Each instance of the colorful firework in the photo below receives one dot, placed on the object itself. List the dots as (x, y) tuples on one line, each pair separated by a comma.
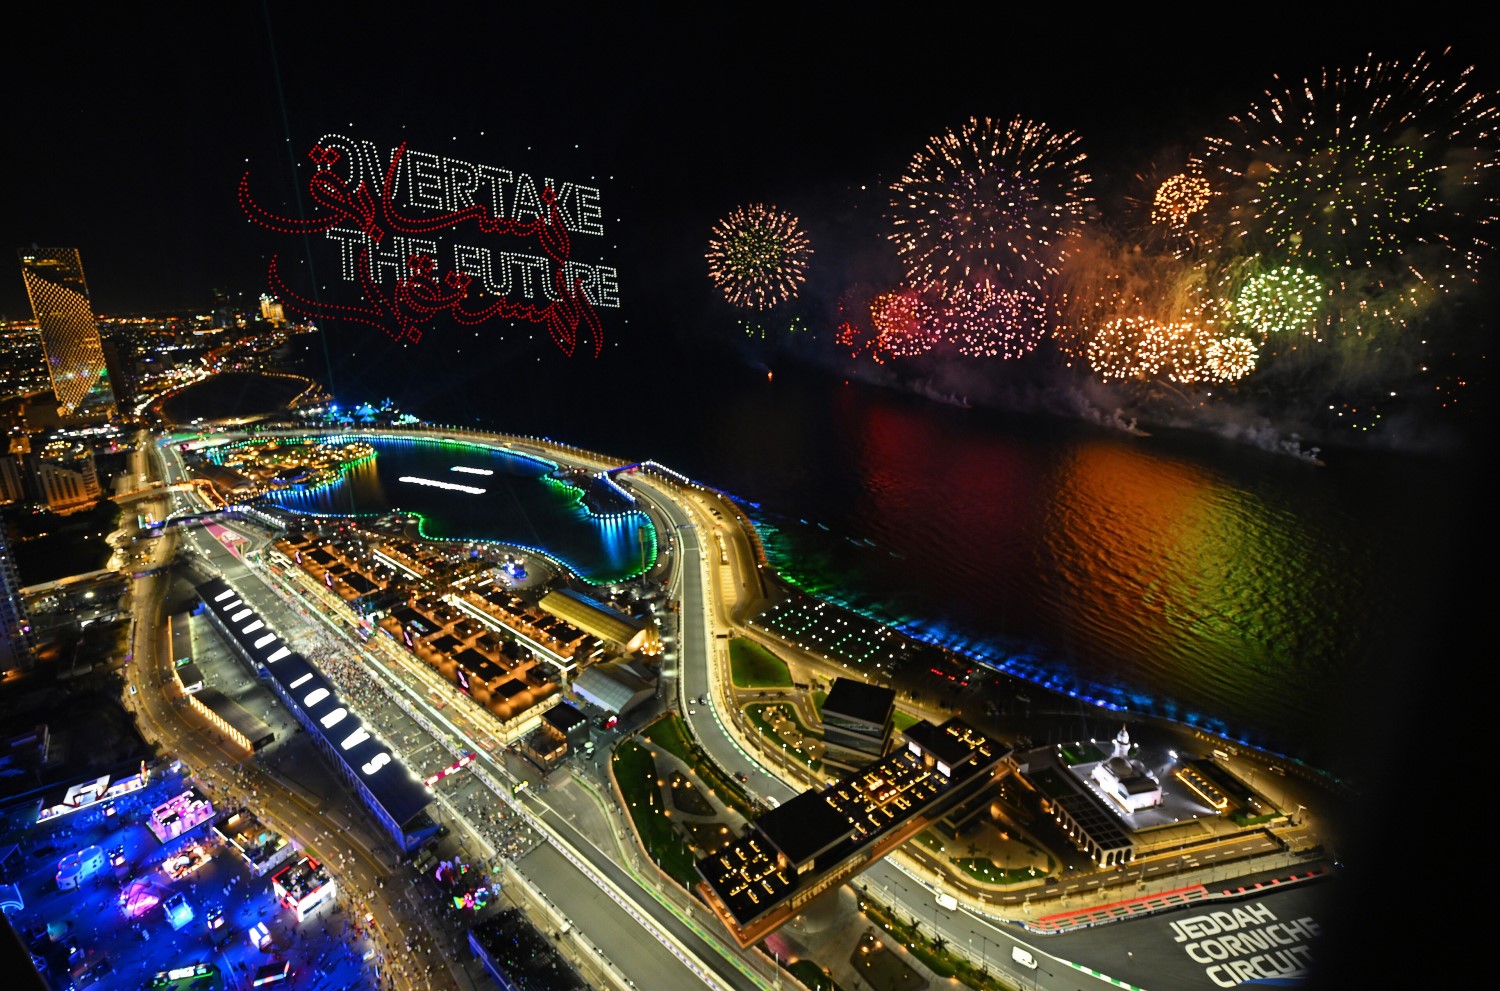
[(758, 256), (904, 324), (854, 334), (1283, 300), (1184, 351), (1117, 350), (989, 323), (1231, 358), (1106, 278), (990, 204), (850, 338), (1386, 167), (1178, 200), (759, 329)]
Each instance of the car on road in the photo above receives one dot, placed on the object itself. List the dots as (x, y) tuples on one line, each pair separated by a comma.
[(742, 775)]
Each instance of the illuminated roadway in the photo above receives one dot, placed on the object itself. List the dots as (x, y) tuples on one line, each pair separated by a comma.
[(587, 884), (215, 765), (711, 590), (703, 662)]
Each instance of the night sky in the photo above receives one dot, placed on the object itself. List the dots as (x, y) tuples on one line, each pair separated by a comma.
[(129, 130)]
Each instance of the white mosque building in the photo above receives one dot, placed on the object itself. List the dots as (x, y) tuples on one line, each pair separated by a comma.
[(1126, 780)]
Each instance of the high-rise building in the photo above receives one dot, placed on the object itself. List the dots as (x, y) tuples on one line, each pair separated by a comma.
[(124, 375), (272, 311), (70, 335), (67, 479), (223, 316), (12, 480), (15, 628)]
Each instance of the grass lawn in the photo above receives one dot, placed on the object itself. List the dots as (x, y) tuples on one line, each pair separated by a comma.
[(757, 713), (812, 976), (1085, 753), (670, 733), (986, 870), (904, 720), (935, 843), (933, 953), (754, 666), (686, 797), (635, 771)]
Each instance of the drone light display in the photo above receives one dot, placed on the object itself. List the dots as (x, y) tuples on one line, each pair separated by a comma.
[(395, 226)]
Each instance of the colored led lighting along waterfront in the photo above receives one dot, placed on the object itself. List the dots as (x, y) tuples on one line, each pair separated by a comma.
[(627, 539)]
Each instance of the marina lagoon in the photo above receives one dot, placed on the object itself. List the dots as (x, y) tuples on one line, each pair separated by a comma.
[(468, 492)]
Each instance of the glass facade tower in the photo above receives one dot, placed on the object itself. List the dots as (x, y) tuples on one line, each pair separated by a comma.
[(70, 335)]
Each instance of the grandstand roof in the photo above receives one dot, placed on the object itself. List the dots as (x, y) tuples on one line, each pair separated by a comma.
[(597, 619), (369, 760)]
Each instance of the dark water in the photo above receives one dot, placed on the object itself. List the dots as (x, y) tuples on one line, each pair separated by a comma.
[(1255, 594), (518, 504)]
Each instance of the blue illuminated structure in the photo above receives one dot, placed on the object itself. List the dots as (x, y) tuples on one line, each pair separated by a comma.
[(179, 912)]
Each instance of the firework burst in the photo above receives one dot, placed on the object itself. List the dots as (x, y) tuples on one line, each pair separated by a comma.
[(758, 256), (1178, 200), (993, 323), (1231, 358), (1183, 351), (989, 204), (1386, 167), (905, 326), (1282, 300)]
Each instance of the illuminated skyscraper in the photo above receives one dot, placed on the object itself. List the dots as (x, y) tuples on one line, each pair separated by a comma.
[(272, 311), (70, 336)]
